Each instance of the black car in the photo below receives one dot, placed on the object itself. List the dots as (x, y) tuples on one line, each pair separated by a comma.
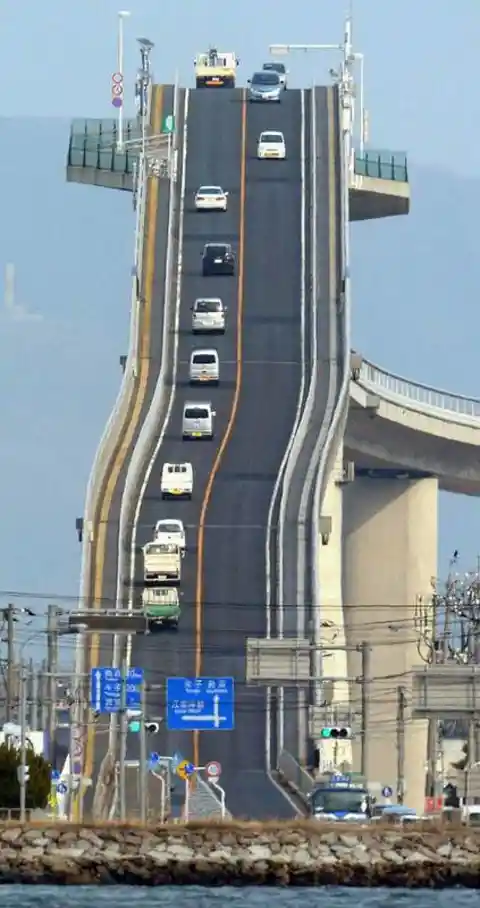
[(218, 258)]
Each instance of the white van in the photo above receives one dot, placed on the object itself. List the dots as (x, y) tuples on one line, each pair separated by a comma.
[(208, 316), (204, 367), (177, 480), (198, 420), (271, 144)]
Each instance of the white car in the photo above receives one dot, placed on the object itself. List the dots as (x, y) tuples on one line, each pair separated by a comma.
[(171, 531), (208, 316), (273, 66), (271, 145), (211, 198), (177, 480)]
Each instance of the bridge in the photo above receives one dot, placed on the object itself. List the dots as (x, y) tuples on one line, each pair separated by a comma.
[(314, 513)]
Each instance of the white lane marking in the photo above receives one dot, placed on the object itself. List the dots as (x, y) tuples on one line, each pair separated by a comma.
[(168, 414), (280, 477)]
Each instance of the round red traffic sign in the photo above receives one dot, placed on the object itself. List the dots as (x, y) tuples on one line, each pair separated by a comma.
[(117, 90), (117, 78), (213, 770)]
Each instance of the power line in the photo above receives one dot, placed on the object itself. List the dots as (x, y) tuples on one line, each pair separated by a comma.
[(112, 600)]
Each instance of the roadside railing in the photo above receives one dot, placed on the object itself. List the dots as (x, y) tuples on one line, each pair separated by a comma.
[(295, 775), (426, 396)]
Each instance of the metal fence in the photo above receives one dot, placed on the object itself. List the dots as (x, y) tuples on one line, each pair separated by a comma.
[(389, 384), (296, 776), (93, 144), (382, 165)]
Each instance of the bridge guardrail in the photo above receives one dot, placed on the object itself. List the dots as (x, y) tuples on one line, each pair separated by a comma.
[(382, 165), (203, 802), (116, 419), (425, 395), (296, 776)]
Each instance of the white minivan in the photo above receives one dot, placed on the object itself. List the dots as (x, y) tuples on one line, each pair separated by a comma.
[(197, 420), (204, 367), (208, 316)]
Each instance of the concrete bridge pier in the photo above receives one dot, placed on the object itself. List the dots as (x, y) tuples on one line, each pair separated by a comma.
[(330, 620), (389, 560)]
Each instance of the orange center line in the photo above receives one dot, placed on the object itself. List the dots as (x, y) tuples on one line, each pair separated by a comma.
[(231, 422)]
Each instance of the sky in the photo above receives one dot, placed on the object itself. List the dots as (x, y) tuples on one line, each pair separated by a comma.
[(415, 279)]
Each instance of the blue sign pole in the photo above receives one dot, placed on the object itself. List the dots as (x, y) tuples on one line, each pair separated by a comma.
[(200, 704)]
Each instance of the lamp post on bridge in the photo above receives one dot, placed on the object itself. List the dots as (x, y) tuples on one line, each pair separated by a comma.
[(344, 77), (118, 80)]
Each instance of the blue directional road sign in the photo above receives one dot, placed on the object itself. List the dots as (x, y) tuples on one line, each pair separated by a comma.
[(200, 704), (54, 775), (62, 788), (387, 792), (106, 689)]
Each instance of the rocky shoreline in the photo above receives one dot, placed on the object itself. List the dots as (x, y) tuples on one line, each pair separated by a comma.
[(239, 854)]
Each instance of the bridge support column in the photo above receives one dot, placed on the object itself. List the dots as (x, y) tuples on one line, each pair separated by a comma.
[(330, 622), (389, 559)]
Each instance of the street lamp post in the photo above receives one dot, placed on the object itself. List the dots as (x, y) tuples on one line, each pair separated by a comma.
[(345, 76), (122, 15)]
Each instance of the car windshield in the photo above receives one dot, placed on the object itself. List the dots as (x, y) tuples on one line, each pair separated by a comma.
[(210, 190), (271, 137), (168, 528), (265, 78), (196, 413), (348, 800), (208, 306), (203, 359), (216, 251), (275, 67)]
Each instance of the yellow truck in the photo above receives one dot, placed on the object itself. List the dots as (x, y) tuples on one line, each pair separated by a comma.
[(216, 69)]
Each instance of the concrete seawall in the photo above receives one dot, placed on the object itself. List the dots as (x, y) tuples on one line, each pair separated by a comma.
[(295, 854)]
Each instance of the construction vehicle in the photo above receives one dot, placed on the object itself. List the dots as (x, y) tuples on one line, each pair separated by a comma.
[(162, 563), (161, 607), (216, 69)]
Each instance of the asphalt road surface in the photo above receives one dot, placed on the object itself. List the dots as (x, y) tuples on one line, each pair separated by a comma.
[(223, 583)]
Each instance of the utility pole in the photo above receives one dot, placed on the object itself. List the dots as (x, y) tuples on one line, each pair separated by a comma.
[(43, 694), (143, 755), (365, 706), (401, 703), (52, 669), (123, 744), (432, 748), (22, 774), (10, 659)]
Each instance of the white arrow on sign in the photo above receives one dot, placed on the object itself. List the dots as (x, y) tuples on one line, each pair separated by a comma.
[(216, 718), (213, 770)]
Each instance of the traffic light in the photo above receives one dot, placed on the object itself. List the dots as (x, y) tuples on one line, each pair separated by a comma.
[(336, 732)]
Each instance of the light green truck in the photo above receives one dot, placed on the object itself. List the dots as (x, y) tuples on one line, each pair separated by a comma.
[(162, 607)]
